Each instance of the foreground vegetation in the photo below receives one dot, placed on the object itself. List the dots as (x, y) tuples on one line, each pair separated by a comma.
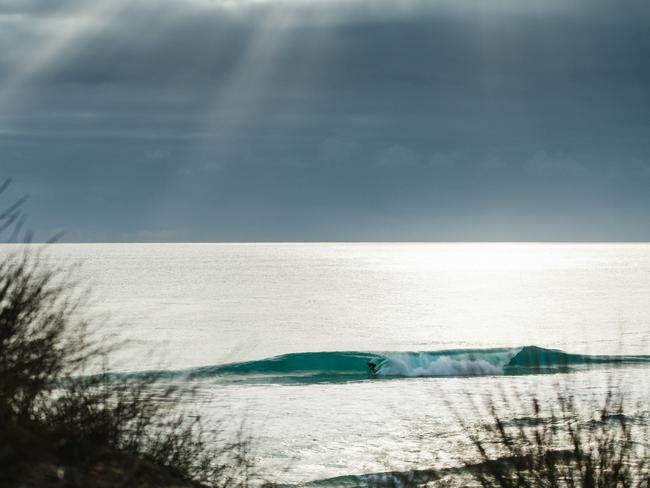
[(61, 428), (563, 445)]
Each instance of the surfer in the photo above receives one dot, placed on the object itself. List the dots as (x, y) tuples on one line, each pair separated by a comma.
[(372, 366)]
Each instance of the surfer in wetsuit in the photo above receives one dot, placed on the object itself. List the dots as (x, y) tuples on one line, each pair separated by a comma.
[(372, 366)]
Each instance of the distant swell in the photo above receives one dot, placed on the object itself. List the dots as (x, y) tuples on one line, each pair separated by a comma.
[(309, 367)]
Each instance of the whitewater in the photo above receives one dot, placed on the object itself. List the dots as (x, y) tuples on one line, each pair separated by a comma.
[(281, 335)]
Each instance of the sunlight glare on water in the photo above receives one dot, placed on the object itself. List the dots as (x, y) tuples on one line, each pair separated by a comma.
[(211, 303)]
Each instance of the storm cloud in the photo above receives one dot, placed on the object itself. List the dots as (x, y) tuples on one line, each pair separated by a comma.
[(362, 120)]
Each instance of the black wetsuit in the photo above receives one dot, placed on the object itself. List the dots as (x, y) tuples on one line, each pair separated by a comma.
[(373, 368)]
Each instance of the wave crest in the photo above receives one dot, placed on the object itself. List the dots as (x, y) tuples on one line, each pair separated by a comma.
[(337, 366)]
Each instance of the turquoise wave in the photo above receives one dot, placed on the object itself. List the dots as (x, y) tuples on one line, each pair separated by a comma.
[(335, 366)]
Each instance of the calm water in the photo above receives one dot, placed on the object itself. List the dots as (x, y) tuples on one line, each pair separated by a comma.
[(194, 305)]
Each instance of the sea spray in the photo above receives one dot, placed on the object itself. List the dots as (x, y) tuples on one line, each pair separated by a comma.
[(427, 364)]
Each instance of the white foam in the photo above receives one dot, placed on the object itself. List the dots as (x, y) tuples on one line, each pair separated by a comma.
[(414, 365)]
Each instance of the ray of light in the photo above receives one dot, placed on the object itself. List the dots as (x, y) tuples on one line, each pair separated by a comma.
[(57, 37), (239, 96), (246, 82)]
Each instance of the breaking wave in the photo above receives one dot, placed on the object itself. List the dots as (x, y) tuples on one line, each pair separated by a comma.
[(310, 367)]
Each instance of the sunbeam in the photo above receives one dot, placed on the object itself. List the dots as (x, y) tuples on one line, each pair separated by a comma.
[(57, 36), (238, 97)]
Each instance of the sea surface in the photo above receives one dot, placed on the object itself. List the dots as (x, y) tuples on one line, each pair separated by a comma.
[(282, 334)]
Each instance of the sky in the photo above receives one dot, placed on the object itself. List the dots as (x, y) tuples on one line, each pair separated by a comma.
[(328, 120)]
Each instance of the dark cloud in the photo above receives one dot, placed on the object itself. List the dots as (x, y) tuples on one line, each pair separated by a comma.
[(357, 120)]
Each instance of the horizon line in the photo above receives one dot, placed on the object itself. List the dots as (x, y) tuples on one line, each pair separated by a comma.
[(320, 242)]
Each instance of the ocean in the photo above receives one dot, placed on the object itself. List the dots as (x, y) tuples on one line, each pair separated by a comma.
[(280, 337)]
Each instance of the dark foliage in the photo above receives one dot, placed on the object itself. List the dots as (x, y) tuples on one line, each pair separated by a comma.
[(563, 447), (61, 428)]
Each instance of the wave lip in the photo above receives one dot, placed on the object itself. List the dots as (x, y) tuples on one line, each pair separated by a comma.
[(351, 366), (294, 366)]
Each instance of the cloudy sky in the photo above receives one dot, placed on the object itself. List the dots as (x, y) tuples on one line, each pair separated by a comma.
[(310, 120)]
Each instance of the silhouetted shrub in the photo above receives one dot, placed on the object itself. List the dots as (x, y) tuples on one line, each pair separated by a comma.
[(62, 427), (563, 446)]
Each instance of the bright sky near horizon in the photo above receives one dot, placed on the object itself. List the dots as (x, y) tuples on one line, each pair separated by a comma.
[(359, 120)]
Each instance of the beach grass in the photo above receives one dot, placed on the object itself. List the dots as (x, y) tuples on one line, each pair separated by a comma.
[(60, 426)]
